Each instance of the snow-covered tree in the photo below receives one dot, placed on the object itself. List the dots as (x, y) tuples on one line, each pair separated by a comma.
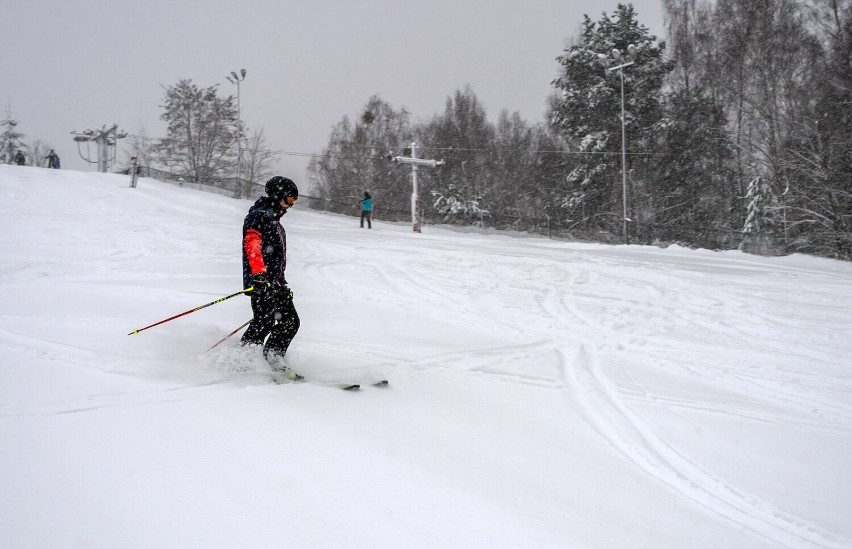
[(761, 210), (143, 148), (513, 160), (587, 110), (690, 196), (463, 138), (10, 139), (756, 196), (818, 152), (453, 209), (38, 151)]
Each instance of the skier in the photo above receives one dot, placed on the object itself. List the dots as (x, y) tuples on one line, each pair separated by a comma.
[(275, 319), (20, 159), (53, 160), (367, 210)]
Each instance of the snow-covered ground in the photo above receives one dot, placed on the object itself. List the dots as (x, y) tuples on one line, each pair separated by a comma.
[(543, 393)]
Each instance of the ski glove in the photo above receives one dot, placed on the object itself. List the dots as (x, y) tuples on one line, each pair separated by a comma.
[(260, 284)]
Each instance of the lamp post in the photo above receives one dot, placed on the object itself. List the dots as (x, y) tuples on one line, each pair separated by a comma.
[(617, 56), (235, 79)]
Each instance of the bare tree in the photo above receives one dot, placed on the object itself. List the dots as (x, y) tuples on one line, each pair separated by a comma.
[(202, 129), (143, 148), (38, 152), (257, 158), (355, 160), (818, 152)]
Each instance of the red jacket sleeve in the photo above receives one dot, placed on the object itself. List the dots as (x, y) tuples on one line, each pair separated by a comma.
[(253, 245)]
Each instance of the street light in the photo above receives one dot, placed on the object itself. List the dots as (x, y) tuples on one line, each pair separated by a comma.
[(234, 79), (619, 57)]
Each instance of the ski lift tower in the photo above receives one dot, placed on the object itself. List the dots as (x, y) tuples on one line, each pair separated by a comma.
[(415, 164), (104, 138)]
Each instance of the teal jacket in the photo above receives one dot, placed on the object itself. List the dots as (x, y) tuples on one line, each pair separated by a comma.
[(367, 204)]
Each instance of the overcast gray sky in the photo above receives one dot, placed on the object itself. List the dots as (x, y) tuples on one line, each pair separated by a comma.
[(76, 65)]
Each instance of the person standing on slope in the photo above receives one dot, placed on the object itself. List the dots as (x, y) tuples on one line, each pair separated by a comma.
[(275, 321), (367, 210), (52, 160)]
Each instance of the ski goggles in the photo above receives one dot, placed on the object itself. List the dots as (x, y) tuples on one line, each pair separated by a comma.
[(290, 200)]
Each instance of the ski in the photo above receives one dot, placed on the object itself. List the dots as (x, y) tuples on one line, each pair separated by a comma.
[(286, 376), (357, 386), (290, 376)]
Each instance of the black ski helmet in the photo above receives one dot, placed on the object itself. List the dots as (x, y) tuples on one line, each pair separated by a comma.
[(279, 188)]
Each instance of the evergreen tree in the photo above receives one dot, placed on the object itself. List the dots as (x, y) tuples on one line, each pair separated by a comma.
[(10, 139), (587, 111), (512, 159), (692, 192), (548, 183)]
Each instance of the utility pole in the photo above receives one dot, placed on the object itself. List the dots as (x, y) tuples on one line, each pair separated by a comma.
[(104, 138), (415, 198)]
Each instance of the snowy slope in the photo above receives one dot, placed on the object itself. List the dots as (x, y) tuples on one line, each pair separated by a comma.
[(544, 394)]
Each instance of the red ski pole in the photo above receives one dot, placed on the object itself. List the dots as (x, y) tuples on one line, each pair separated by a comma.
[(240, 327), (220, 300)]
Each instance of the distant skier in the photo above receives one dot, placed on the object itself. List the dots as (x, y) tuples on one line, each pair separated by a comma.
[(275, 318), (367, 210), (52, 160), (20, 159)]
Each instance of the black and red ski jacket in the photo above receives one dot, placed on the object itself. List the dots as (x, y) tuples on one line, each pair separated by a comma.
[(264, 242)]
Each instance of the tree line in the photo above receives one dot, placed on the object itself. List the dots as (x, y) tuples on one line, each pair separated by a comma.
[(203, 130), (738, 135)]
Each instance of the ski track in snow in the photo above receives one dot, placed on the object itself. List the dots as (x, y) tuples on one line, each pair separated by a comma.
[(606, 410), (606, 406)]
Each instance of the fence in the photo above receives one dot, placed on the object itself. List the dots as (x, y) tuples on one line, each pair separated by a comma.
[(227, 186)]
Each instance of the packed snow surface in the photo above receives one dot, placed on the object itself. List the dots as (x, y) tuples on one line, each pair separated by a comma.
[(542, 393)]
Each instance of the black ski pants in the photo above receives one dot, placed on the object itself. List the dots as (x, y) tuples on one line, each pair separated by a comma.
[(275, 316)]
